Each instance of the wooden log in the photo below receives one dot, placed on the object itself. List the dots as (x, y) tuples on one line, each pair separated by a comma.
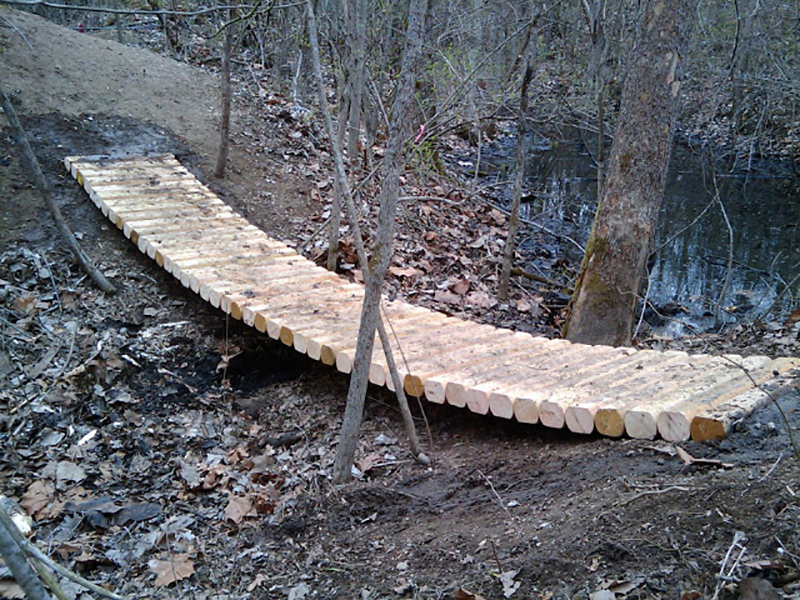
[(609, 411), (214, 288), (525, 409), (172, 259), (325, 347), (178, 199), (415, 346), (440, 353), (175, 262), (550, 369), (178, 228), (468, 368), (411, 325), (128, 215), (276, 320), (257, 270), (136, 175), (74, 163), (167, 216), (320, 292), (160, 244), (264, 296), (644, 405), (261, 299), (116, 208), (532, 365), (341, 351), (271, 320), (307, 333), (715, 423), (678, 409)]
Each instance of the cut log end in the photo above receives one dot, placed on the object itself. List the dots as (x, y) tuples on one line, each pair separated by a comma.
[(526, 411), (704, 429), (477, 401), (673, 427), (286, 335), (640, 424), (551, 414), (609, 422), (413, 386), (434, 391), (501, 406), (579, 420)]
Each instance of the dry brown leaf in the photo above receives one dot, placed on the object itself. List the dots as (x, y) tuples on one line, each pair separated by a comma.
[(169, 571), (38, 496), (480, 300), (479, 243), (447, 297), (462, 594), (239, 507), (403, 272), (523, 306), (461, 287)]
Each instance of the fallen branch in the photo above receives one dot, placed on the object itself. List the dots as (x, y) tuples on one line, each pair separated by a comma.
[(15, 560), (533, 277), (31, 551), (35, 171)]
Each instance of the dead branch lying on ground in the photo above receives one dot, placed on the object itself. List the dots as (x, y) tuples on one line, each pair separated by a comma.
[(43, 188)]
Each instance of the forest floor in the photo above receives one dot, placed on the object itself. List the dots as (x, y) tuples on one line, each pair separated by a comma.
[(169, 453)]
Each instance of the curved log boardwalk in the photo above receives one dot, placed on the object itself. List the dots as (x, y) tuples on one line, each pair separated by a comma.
[(178, 222)]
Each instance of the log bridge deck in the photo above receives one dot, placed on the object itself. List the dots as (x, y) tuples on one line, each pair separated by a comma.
[(190, 232)]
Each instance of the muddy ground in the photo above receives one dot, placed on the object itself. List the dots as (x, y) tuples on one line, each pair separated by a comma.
[(167, 452)]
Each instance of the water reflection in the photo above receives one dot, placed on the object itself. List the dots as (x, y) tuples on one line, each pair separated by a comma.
[(690, 265)]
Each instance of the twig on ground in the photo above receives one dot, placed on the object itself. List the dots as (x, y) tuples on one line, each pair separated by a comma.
[(722, 578), (672, 488)]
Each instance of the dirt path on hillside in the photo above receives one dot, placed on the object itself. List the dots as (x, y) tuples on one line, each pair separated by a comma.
[(169, 453)]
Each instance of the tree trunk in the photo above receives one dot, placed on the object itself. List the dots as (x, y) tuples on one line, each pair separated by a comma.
[(519, 174), (358, 30), (225, 121), (382, 252), (604, 303)]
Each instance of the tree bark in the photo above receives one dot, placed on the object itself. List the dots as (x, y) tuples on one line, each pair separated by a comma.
[(225, 120), (382, 251), (604, 303), (341, 179), (358, 28), (15, 560), (513, 221)]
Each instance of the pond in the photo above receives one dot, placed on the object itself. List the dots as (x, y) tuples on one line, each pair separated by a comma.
[(693, 248)]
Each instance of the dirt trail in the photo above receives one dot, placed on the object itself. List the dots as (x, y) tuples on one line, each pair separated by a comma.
[(191, 417)]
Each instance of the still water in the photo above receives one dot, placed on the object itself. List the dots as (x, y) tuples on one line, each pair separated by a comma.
[(688, 271)]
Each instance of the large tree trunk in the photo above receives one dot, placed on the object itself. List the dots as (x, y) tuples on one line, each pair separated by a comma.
[(604, 303)]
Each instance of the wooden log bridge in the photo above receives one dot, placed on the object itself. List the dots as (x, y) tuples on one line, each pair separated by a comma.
[(178, 222)]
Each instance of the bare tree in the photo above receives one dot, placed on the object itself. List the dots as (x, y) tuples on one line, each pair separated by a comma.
[(513, 222), (606, 293), (384, 239), (225, 117)]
